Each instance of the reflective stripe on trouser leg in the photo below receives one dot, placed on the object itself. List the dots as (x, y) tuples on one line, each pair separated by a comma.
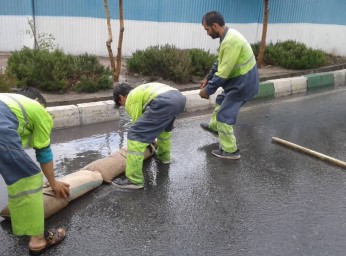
[(228, 142), (134, 161), (213, 121), (25, 202), (163, 152)]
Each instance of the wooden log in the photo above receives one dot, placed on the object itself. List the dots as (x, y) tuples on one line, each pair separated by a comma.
[(310, 152)]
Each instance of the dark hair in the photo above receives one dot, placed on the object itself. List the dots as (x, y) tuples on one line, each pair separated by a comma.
[(213, 17), (122, 89), (33, 94)]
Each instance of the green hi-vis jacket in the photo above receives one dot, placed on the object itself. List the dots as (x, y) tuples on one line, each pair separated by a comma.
[(141, 96), (35, 123), (235, 58)]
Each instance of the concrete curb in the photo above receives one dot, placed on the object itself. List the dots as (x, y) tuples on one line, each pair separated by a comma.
[(102, 111)]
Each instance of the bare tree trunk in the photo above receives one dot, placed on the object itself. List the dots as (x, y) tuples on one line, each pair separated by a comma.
[(109, 42), (33, 31), (120, 40), (264, 34)]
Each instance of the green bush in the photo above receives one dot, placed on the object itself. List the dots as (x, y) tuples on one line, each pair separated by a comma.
[(6, 82), (164, 61), (57, 72), (255, 49), (292, 55), (201, 61), (87, 84), (171, 63), (145, 62), (90, 74), (38, 68), (178, 67)]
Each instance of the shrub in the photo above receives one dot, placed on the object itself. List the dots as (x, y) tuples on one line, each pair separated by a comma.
[(57, 72), (87, 84), (178, 66), (293, 55), (171, 63), (201, 62), (164, 61), (6, 82), (42, 69), (145, 62), (255, 49), (90, 75)]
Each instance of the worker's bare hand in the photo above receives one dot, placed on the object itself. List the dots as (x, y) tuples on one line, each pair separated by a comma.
[(61, 189), (203, 94), (204, 83)]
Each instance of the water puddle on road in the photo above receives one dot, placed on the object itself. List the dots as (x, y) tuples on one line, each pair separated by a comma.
[(74, 148)]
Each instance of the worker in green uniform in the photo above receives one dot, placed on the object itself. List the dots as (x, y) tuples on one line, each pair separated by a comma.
[(25, 121), (235, 71), (153, 107)]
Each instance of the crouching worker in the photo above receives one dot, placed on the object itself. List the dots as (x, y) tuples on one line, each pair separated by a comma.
[(23, 118), (153, 108)]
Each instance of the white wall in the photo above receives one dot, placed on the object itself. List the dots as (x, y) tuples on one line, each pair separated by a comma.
[(78, 35)]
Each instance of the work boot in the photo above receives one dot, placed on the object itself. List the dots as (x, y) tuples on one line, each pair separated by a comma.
[(205, 126), (125, 183), (161, 159), (222, 154)]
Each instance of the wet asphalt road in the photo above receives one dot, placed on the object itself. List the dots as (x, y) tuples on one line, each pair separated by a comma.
[(274, 201)]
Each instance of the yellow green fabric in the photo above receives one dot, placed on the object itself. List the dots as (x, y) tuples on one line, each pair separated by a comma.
[(40, 123), (163, 152), (213, 121), (235, 56), (134, 161), (26, 207), (141, 96), (228, 142)]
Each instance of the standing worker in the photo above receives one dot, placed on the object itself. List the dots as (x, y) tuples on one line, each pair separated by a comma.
[(23, 118), (236, 72), (153, 108)]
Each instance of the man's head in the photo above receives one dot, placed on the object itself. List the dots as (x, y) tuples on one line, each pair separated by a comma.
[(33, 94), (213, 22), (120, 94)]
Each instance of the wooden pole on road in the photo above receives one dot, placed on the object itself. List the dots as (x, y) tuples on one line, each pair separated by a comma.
[(310, 152)]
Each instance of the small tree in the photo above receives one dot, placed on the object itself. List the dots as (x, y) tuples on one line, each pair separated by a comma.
[(42, 41), (264, 34), (115, 71), (120, 40)]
